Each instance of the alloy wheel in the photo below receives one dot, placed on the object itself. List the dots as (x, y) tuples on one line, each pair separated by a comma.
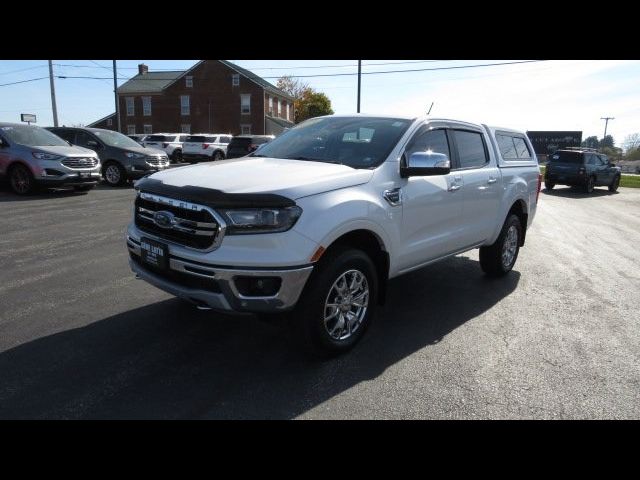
[(346, 304)]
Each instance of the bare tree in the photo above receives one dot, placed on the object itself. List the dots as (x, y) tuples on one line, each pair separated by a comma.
[(293, 86), (632, 141)]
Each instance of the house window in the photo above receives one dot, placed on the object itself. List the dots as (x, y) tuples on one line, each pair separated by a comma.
[(146, 106), (245, 103), (189, 81), (109, 122), (288, 116), (184, 105), (235, 79), (245, 129), (130, 110), (147, 130), (279, 108), (131, 129), (271, 106), (185, 128)]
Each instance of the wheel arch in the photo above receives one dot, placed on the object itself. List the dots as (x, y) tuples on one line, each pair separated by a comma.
[(519, 208)]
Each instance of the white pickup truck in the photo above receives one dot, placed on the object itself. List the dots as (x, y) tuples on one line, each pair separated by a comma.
[(314, 223)]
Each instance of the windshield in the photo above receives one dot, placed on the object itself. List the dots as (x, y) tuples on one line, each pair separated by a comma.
[(566, 157), (359, 142), (115, 139), (32, 136)]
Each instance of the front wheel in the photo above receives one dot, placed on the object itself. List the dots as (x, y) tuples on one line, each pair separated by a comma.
[(498, 259), (615, 184), (338, 303), (177, 156), (114, 174), (21, 180), (590, 185)]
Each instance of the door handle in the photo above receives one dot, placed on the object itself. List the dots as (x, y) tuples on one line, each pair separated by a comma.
[(454, 187), (492, 180)]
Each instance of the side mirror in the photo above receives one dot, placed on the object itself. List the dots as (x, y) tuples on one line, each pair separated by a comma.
[(423, 164)]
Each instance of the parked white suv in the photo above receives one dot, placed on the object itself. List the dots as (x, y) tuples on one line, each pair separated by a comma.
[(171, 143), (205, 146), (315, 222)]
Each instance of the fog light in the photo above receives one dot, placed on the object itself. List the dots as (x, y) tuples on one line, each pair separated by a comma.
[(258, 286)]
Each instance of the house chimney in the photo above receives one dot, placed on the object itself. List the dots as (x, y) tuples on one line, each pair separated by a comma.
[(142, 69)]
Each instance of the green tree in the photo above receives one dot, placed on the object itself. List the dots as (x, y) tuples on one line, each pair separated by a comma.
[(591, 142), (607, 142), (633, 154), (308, 103)]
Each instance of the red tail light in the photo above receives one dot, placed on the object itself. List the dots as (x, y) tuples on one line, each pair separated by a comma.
[(165, 145), (539, 186), (205, 146)]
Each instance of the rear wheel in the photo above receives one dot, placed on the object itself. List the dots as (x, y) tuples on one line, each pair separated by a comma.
[(549, 185), (114, 174), (498, 259), (338, 303), (218, 156), (615, 184), (590, 185), (177, 156), (21, 180)]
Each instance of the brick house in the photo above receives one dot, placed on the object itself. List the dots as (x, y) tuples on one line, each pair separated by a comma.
[(213, 96)]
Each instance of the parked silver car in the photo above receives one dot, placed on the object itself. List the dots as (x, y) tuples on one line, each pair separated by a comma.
[(31, 156)]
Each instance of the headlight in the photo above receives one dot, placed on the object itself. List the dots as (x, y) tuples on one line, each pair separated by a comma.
[(261, 220), (134, 155), (45, 156)]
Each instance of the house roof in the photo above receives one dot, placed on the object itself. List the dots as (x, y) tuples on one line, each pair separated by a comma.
[(150, 82), (280, 121), (102, 119)]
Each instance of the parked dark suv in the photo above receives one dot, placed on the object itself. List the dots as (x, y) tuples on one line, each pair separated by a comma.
[(242, 145), (581, 167), (122, 158)]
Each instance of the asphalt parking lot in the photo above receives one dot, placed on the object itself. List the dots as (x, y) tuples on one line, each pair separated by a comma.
[(559, 337)]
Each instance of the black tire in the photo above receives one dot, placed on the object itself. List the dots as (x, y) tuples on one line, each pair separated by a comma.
[(549, 185), (218, 156), (590, 184), (491, 257), (110, 176), (177, 156), (83, 188), (21, 180), (308, 317), (615, 184)]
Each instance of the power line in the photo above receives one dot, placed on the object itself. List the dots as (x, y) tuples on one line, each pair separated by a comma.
[(24, 69), (348, 65), (23, 81)]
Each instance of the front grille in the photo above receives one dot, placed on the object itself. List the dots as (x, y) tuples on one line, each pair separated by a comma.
[(80, 162), (183, 279), (156, 160), (195, 228)]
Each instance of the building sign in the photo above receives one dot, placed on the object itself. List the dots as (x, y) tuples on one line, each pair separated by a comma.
[(28, 117), (545, 143)]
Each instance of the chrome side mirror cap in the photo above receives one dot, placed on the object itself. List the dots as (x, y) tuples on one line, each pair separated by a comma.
[(422, 164)]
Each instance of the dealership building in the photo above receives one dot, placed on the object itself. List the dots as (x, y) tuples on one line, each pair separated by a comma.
[(546, 142)]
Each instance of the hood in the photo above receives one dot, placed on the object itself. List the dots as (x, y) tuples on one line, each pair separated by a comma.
[(148, 151), (66, 151), (289, 178)]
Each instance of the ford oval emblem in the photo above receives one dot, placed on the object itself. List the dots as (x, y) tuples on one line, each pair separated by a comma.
[(164, 219)]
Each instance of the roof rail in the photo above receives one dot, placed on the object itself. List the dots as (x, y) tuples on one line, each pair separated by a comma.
[(580, 148)]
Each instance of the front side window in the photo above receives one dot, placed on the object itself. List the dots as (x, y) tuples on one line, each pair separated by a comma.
[(603, 160), (131, 129), (130, 108), (590, 159), (184, 105), (235, 79), (189, 81), (83, 138), (471, 151), (354, 141), (146, 106), (434, 141), (147, 129), (245, 103)]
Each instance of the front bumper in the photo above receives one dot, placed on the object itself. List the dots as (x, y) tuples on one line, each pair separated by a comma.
[(215, 287), (565, 178), (70, 179), (139, 171), (196, 156)]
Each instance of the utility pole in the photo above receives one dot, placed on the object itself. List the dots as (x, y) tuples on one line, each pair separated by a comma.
[(115, 92), (606, 123), (53, 95), (359, 75)]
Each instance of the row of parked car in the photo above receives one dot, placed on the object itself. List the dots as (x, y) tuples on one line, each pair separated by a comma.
[(31, 156), (198, 147)]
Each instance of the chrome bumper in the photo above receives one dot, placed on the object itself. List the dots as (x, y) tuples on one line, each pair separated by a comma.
[(230, 299)]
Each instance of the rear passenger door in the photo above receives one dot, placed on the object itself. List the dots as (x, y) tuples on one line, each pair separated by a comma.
[(481, 184)]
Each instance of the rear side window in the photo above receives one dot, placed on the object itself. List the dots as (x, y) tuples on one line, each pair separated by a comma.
[(225, 139), (211, 139), (471, 151), (513, 148)]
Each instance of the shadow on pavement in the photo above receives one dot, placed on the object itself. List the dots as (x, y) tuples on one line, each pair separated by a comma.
[(578, 192), (167, 360)]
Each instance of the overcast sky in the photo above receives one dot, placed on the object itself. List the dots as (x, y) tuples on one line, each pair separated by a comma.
[(550, 95)]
